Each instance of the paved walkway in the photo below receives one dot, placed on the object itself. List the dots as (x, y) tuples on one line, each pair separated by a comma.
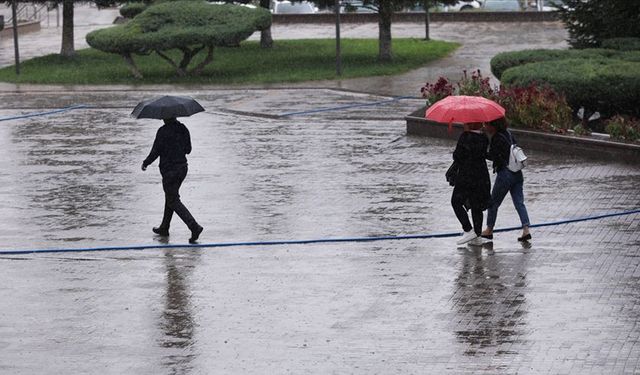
[(568, 304)]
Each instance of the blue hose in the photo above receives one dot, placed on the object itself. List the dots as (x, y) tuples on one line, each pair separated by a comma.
[(35, 114), (308, 241)]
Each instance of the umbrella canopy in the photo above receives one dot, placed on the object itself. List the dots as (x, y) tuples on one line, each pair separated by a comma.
[(164, 107), (464, 109)]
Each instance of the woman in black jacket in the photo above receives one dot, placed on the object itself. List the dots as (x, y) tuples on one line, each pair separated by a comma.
[(472, 184), (506, 180)]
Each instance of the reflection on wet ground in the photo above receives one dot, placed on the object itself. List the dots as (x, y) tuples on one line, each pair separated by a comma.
[(564, 305)]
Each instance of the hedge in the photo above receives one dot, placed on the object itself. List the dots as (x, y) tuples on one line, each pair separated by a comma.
[(506, 60), (610, 86), (130, 10), (622, 44), (189, 26)]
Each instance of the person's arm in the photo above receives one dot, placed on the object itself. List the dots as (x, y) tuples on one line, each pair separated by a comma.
[(461, 153), (187, 146), (499, 150), (154, 154)]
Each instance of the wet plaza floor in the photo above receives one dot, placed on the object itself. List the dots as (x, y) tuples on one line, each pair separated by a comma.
[(569, 303)]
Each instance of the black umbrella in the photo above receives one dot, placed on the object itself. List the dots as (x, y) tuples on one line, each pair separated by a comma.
[(167, 106)]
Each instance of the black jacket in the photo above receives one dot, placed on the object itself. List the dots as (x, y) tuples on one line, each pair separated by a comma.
[(499, 149), (473, 176), (172, 144)]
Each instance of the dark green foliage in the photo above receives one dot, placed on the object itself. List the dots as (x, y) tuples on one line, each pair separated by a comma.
[(189, 26), (622, 44), (130, 10), (610, 86), (591, 22), (506, 60)]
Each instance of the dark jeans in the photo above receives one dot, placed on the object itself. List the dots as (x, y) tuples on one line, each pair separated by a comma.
[(507, 182), (458, 200), (171, 181)]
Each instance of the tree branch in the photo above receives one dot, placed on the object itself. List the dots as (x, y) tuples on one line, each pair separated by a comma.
[(168, 59), (207, 60), (132, 65)]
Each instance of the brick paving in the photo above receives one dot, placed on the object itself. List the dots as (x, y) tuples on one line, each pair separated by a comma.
[(567, 304)]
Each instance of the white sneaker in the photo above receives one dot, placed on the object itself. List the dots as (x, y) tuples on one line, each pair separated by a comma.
[(466, 237), (478, 241)]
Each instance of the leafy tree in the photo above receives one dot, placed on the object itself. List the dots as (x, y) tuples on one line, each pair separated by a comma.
[(591, 22), (187, 26)]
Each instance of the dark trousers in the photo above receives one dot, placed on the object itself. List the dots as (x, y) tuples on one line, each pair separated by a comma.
[(171, 181), (458, 200)]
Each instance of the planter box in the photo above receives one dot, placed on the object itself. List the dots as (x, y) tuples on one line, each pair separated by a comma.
[(23, 27), (589, 147)]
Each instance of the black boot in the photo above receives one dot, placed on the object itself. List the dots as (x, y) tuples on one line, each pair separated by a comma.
[(195, 234), (161, 231)]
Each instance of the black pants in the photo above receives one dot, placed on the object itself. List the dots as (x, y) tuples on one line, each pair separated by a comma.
[(459, 198), (171, 181)]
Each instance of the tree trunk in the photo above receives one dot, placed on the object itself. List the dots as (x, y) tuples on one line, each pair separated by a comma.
[(67, 49), (132, 65), (266, 41), (385, 12), (427, 21), (207, 60)]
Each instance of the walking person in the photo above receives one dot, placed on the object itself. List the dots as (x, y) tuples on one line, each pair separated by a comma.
[(507, 181), (472, 184), (171, 145)]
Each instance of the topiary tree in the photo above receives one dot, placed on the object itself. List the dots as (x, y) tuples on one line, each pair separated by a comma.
[(187, 26), (591, 22)]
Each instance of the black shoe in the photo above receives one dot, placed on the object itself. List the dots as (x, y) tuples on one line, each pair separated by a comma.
[(525, 238), (487, 236), (195, 234), (161, 231)]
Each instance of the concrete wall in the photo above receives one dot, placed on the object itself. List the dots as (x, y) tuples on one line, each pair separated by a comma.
[(419, 17), (588, 147)]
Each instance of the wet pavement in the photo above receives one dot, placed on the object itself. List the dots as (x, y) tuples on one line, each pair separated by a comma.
[(568, 304)]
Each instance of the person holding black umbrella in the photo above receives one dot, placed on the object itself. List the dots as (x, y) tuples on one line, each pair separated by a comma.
[(171, 145)]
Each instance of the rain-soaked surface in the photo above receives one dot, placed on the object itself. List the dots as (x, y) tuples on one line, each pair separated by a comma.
[(566, 304)]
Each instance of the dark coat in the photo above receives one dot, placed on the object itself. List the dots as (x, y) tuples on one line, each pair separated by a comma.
[(473, 180), (500, 149), (172, 144)]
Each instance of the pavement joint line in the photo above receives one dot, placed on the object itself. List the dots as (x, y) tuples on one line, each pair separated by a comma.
[(47, 113), (309, 241), (347, 106)]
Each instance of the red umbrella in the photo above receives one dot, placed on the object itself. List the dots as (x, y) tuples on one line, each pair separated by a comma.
[(464, 109)]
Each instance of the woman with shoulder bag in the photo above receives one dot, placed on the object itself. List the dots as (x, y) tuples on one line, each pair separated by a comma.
[(472, 184), (507, 181)]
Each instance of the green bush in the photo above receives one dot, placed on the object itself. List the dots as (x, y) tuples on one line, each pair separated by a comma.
[(506, 60), (188, 26), (622, 44), (130, 10), (607, 85), (624, 128)]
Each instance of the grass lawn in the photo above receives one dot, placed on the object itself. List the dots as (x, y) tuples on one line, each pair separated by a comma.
[(287, 61)]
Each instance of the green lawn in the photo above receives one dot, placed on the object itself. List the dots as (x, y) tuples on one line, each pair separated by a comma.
[(287, 61)]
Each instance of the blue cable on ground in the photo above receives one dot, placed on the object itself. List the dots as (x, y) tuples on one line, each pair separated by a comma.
[(348, 106), (35, 114), (307, 241)]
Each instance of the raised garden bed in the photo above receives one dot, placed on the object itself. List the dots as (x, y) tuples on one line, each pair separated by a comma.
[(595, 147)]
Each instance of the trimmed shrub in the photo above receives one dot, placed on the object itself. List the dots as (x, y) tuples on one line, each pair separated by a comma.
[(506, 60), (130, 10), (188, 26), (622, 44), (606, 85)]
